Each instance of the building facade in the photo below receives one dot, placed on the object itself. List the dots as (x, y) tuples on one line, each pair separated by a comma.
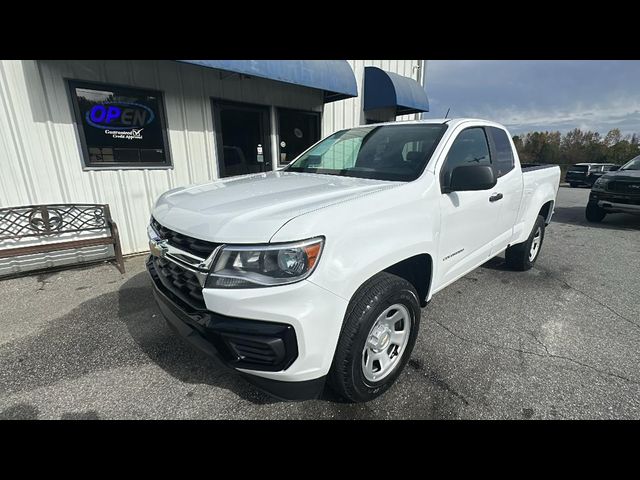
[(123, 132)]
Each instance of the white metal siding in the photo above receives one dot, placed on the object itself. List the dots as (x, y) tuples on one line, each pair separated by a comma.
[(40, 150)]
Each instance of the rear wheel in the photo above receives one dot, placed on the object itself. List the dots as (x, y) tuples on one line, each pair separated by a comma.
[(379, 332), (594, 213), (523, 255)]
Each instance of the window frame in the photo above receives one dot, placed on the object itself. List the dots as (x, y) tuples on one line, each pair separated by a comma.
[(87, 165), (443, 187)]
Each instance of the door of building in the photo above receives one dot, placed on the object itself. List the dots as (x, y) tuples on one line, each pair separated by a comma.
[(242, 132), (297, 131)]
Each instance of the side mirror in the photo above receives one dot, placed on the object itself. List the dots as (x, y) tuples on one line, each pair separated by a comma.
[(613, 169), (472, 177)]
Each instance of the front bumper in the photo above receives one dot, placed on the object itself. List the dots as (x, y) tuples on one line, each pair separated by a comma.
[(272, 354), (616, 203)]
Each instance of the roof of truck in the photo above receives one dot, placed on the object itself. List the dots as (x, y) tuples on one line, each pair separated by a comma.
[(448, 121)]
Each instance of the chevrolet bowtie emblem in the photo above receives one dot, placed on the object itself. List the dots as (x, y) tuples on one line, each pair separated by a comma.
[(158, 248)]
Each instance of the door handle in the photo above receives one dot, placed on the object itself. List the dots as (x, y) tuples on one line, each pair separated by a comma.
[(495, 197)]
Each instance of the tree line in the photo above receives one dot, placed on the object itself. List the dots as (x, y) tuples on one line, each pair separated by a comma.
[(576, 146)]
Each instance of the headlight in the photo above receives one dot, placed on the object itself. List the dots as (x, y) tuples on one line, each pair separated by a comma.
[(600, 183), (244, 266)]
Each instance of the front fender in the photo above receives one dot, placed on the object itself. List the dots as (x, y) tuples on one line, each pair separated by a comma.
[(367, 235)]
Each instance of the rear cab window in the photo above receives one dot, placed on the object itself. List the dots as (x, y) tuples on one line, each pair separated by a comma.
[(503, 161)]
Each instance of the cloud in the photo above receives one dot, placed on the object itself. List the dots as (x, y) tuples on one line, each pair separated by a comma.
[(538, 95)]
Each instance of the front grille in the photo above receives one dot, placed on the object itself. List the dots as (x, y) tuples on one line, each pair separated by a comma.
[(180, 282), (624, 187), (195, 246)]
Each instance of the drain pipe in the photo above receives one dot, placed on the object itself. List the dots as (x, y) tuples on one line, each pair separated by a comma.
[(422, 75)]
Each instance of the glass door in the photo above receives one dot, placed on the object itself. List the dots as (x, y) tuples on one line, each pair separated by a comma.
[(242, 132), (297, 131)]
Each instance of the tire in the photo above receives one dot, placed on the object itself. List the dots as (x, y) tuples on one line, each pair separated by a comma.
[(594, 213), (518, 256), (373, 304)]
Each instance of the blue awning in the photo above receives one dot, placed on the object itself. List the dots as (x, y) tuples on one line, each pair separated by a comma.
[(387, 89), (335, 77)]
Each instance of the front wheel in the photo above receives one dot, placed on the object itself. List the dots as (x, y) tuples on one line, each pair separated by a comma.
[(378, 335), (523, 255), (594, 213)]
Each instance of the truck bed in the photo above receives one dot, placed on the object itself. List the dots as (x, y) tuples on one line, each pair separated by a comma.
[(538, 181), (529, 167)]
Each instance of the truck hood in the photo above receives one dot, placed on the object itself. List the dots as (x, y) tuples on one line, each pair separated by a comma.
[(252, 208), (624, 175)]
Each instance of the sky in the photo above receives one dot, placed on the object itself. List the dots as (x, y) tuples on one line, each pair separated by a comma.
[(538, 95)]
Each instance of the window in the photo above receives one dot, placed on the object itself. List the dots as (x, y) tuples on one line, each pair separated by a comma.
[(297, 131), (388, 152), (469, 148), (633, 164), (503, 153), (120, 126)]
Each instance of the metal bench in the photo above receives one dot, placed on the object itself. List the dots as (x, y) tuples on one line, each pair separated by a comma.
[(49, 221)]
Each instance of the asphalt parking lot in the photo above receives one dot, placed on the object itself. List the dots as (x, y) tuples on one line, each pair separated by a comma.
[(559, 341)]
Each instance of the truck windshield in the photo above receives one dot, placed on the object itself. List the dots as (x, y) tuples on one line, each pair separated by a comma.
[(633, 164), (384, 152)]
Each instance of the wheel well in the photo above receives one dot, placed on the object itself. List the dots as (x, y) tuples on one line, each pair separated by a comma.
[(546, 210), (417, 271)]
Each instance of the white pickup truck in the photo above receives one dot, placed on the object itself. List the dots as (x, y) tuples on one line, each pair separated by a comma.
[(317, 272)]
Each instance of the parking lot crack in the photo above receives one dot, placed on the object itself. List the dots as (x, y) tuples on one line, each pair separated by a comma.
[(547, 353), (577, 362), (567, 284), (486, 344)]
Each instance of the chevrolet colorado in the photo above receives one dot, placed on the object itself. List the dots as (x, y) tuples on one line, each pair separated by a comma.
[(317, 272)]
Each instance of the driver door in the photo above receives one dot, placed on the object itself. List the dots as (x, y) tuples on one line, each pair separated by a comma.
[(468, 218)]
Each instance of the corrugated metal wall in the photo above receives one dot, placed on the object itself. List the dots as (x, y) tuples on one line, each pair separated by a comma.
[(40, 152), (348, 113)]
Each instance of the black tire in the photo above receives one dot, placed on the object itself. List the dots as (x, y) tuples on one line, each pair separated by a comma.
[(594, 213), (379, 293), (517, 256)]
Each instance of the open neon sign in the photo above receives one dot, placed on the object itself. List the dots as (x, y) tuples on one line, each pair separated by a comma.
[(119, 115)]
